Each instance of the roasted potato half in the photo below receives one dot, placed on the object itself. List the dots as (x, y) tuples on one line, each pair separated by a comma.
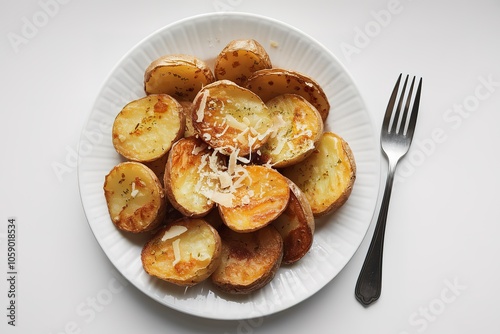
[(261, 197), (296, 226), (145, 129), (178, 75), (135, 197), (185, 252), (300, 127), (269, 83), (191, 176), (231, 118), (327, 175), (249, 261), (239, 59)]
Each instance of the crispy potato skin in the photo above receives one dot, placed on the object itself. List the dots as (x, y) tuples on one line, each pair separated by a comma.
[(178, 75), (269, 83), (199, 257), (135, 197), (145, 129), (229, 117), (262, 198), (186, 174), (327, 176), (249, 261), (295, 139), (296, 226), (239, 59)]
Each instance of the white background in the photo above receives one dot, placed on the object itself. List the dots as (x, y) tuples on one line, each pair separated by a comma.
[(441, 267)]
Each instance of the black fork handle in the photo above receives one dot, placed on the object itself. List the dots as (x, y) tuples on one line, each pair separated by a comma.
[(369, 284)]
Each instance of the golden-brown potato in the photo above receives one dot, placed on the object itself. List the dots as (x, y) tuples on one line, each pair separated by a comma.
[(269, 83), (191, 176), (261, 197), (135, 197), (296, 226), (178, 75), (185, 252), (300, 128), (249, 261), (145, 129), (231, 118), (239, 59), (327, 176)]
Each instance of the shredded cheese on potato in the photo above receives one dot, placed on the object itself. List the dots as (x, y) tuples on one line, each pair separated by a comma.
[(177, 251), (173, 232), (234, 123), (200, 113), (134, 191), (218, 183)]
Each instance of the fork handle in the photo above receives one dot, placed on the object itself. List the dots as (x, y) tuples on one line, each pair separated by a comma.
[(369, 284)]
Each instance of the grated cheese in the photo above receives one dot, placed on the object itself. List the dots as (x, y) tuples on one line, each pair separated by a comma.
[(225, 180), (234, 123), (177, 251), (218, 135), (243, 159), (200, 113), (279, 147), (241, 136), (278, 123), (198, 149), (173, 232), (134, 191), (232, 161), (221, 198), (245, 200)]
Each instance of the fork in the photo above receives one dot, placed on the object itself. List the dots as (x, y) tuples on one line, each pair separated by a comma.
[(395, 139)]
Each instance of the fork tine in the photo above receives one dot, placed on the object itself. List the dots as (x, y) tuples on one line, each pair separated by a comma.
[(390, 105), (414, 112), (407, 106), (394, 127)]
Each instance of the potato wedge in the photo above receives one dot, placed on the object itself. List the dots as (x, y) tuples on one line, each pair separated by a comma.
[(296, 225), (327, 176), (300, 128), (178, 75), (239, 59), (231, 118), (145, 129), (191, 176), (185, 252), (259, 199), (135, 197), (249, 261), (269, 83)]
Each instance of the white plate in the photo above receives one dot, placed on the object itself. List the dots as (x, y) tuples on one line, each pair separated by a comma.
[(338, 236)]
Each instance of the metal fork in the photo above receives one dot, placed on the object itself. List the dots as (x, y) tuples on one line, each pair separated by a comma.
[(395, 139)]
